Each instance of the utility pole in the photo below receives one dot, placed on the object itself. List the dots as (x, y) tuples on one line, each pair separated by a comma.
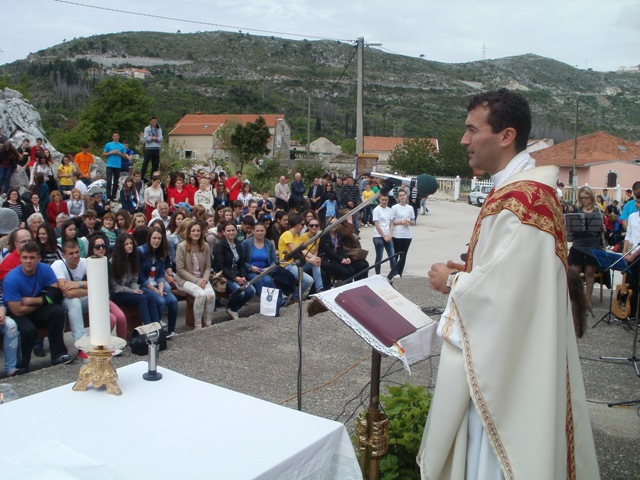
[(359, 112), (308, 126), (574, 179)]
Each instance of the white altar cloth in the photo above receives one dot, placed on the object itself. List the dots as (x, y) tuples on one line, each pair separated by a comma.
[(174, 428)]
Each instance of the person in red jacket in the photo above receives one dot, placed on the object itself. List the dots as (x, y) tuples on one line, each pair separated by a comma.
[(55, 207), (234, 185)]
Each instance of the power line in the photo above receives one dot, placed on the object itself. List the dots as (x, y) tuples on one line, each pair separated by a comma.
[(200, 22)]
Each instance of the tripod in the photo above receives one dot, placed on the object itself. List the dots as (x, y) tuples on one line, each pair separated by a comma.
[(633, 359), (610, 261)]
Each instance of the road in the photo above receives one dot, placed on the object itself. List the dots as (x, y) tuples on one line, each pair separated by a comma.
[(441, 235)]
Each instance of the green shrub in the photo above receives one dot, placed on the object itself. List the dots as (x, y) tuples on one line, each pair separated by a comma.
[(407, 407)]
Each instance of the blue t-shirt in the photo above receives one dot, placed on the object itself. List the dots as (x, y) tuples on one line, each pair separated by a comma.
[(331, 206), (628, 209), (17, 285), (114, 161), (259, 257)]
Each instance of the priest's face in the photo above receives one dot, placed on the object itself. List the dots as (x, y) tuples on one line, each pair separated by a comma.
[(483, 146)]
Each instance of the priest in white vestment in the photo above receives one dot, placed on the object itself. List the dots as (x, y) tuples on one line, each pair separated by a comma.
[(509, 400)]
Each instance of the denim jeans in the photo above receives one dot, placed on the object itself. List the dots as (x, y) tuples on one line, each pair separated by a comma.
[(75, 308), (10, 344), (237, 302), (160, 301), (266, 282), (307, 280), (5, 178), (140, 300), (380, 245), (316, 273)]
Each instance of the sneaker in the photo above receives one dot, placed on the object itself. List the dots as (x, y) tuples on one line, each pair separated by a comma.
[(14, 372), (83, 355), (38, 352), (397, 275), (62, 359), (171, 335), (232, 315)]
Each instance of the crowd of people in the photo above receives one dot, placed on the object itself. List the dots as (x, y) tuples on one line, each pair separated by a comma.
[(169, 236)]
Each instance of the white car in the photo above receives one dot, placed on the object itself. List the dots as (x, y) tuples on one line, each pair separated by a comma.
[(479, 194)]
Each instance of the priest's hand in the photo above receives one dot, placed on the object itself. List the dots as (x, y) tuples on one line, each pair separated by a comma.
[(455, 265), (438, 276)]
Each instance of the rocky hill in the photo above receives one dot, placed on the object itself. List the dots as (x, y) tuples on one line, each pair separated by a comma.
[(221, 72)]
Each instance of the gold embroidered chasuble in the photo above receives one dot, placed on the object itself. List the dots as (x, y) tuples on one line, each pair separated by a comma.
[(509, 345)]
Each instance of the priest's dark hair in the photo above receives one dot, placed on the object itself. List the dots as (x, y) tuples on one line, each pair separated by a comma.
[(506, 109)]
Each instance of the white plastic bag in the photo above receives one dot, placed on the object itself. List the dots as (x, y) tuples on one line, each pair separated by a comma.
[(269, 301)]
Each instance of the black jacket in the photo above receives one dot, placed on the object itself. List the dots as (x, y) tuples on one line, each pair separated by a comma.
[(223, 260)]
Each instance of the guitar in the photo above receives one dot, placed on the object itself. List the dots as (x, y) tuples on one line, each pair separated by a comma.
[(622, 304)]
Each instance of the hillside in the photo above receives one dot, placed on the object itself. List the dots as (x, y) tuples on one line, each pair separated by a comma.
[(221, 72)]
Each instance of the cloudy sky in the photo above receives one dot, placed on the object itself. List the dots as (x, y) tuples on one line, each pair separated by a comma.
[(598, 34)]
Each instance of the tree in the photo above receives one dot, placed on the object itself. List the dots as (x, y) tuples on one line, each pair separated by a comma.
[(117, 104), (414, 156), (249, 141), (453, 157)]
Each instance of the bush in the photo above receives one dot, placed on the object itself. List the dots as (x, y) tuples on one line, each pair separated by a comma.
[(407, 407)]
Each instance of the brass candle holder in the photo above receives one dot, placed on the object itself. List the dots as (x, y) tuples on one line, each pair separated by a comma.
[(99, 371)]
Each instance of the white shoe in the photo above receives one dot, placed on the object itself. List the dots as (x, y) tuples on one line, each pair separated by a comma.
[(233, 315), (397, 275), (171, 335)]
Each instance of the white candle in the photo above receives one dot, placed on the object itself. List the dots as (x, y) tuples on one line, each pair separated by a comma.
[(98, 286)]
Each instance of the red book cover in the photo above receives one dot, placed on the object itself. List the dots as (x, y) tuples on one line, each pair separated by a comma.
[(371, 311)]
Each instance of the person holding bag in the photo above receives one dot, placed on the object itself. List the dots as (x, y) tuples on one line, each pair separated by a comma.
[(259, 254), (193, 269)]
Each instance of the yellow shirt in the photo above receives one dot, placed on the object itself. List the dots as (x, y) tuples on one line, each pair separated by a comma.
[(283, 245), (65, 170), (312, 248)]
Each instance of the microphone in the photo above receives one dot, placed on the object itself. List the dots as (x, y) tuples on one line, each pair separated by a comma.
[(424, 184), (8, 221)]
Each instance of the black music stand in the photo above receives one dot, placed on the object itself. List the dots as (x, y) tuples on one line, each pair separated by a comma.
[(610, 261)]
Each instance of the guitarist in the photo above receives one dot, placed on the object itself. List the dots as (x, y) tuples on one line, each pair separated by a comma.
[(632, 242)]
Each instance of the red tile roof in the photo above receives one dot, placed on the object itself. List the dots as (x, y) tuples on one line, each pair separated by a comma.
[(596, 147), (386, 144), (197, 124)]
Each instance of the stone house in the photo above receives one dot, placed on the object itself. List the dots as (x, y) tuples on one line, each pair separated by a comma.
[(196, 137)]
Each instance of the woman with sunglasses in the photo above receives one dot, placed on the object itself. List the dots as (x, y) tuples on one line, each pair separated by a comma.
[(98, 246)]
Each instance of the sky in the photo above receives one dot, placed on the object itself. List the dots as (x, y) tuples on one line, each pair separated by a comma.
[(599, 34)]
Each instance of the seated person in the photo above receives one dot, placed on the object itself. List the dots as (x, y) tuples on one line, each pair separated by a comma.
[(10, 343), (31, 308), (71, 272), (289, 241), (88, 226), (259, 254), (229, 258), (335, 262)]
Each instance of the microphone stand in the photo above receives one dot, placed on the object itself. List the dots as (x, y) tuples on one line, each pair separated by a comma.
[(297, 254), (607, 316)]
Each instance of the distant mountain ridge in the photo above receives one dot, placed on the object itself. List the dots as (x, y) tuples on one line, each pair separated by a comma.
[(222, 72)]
